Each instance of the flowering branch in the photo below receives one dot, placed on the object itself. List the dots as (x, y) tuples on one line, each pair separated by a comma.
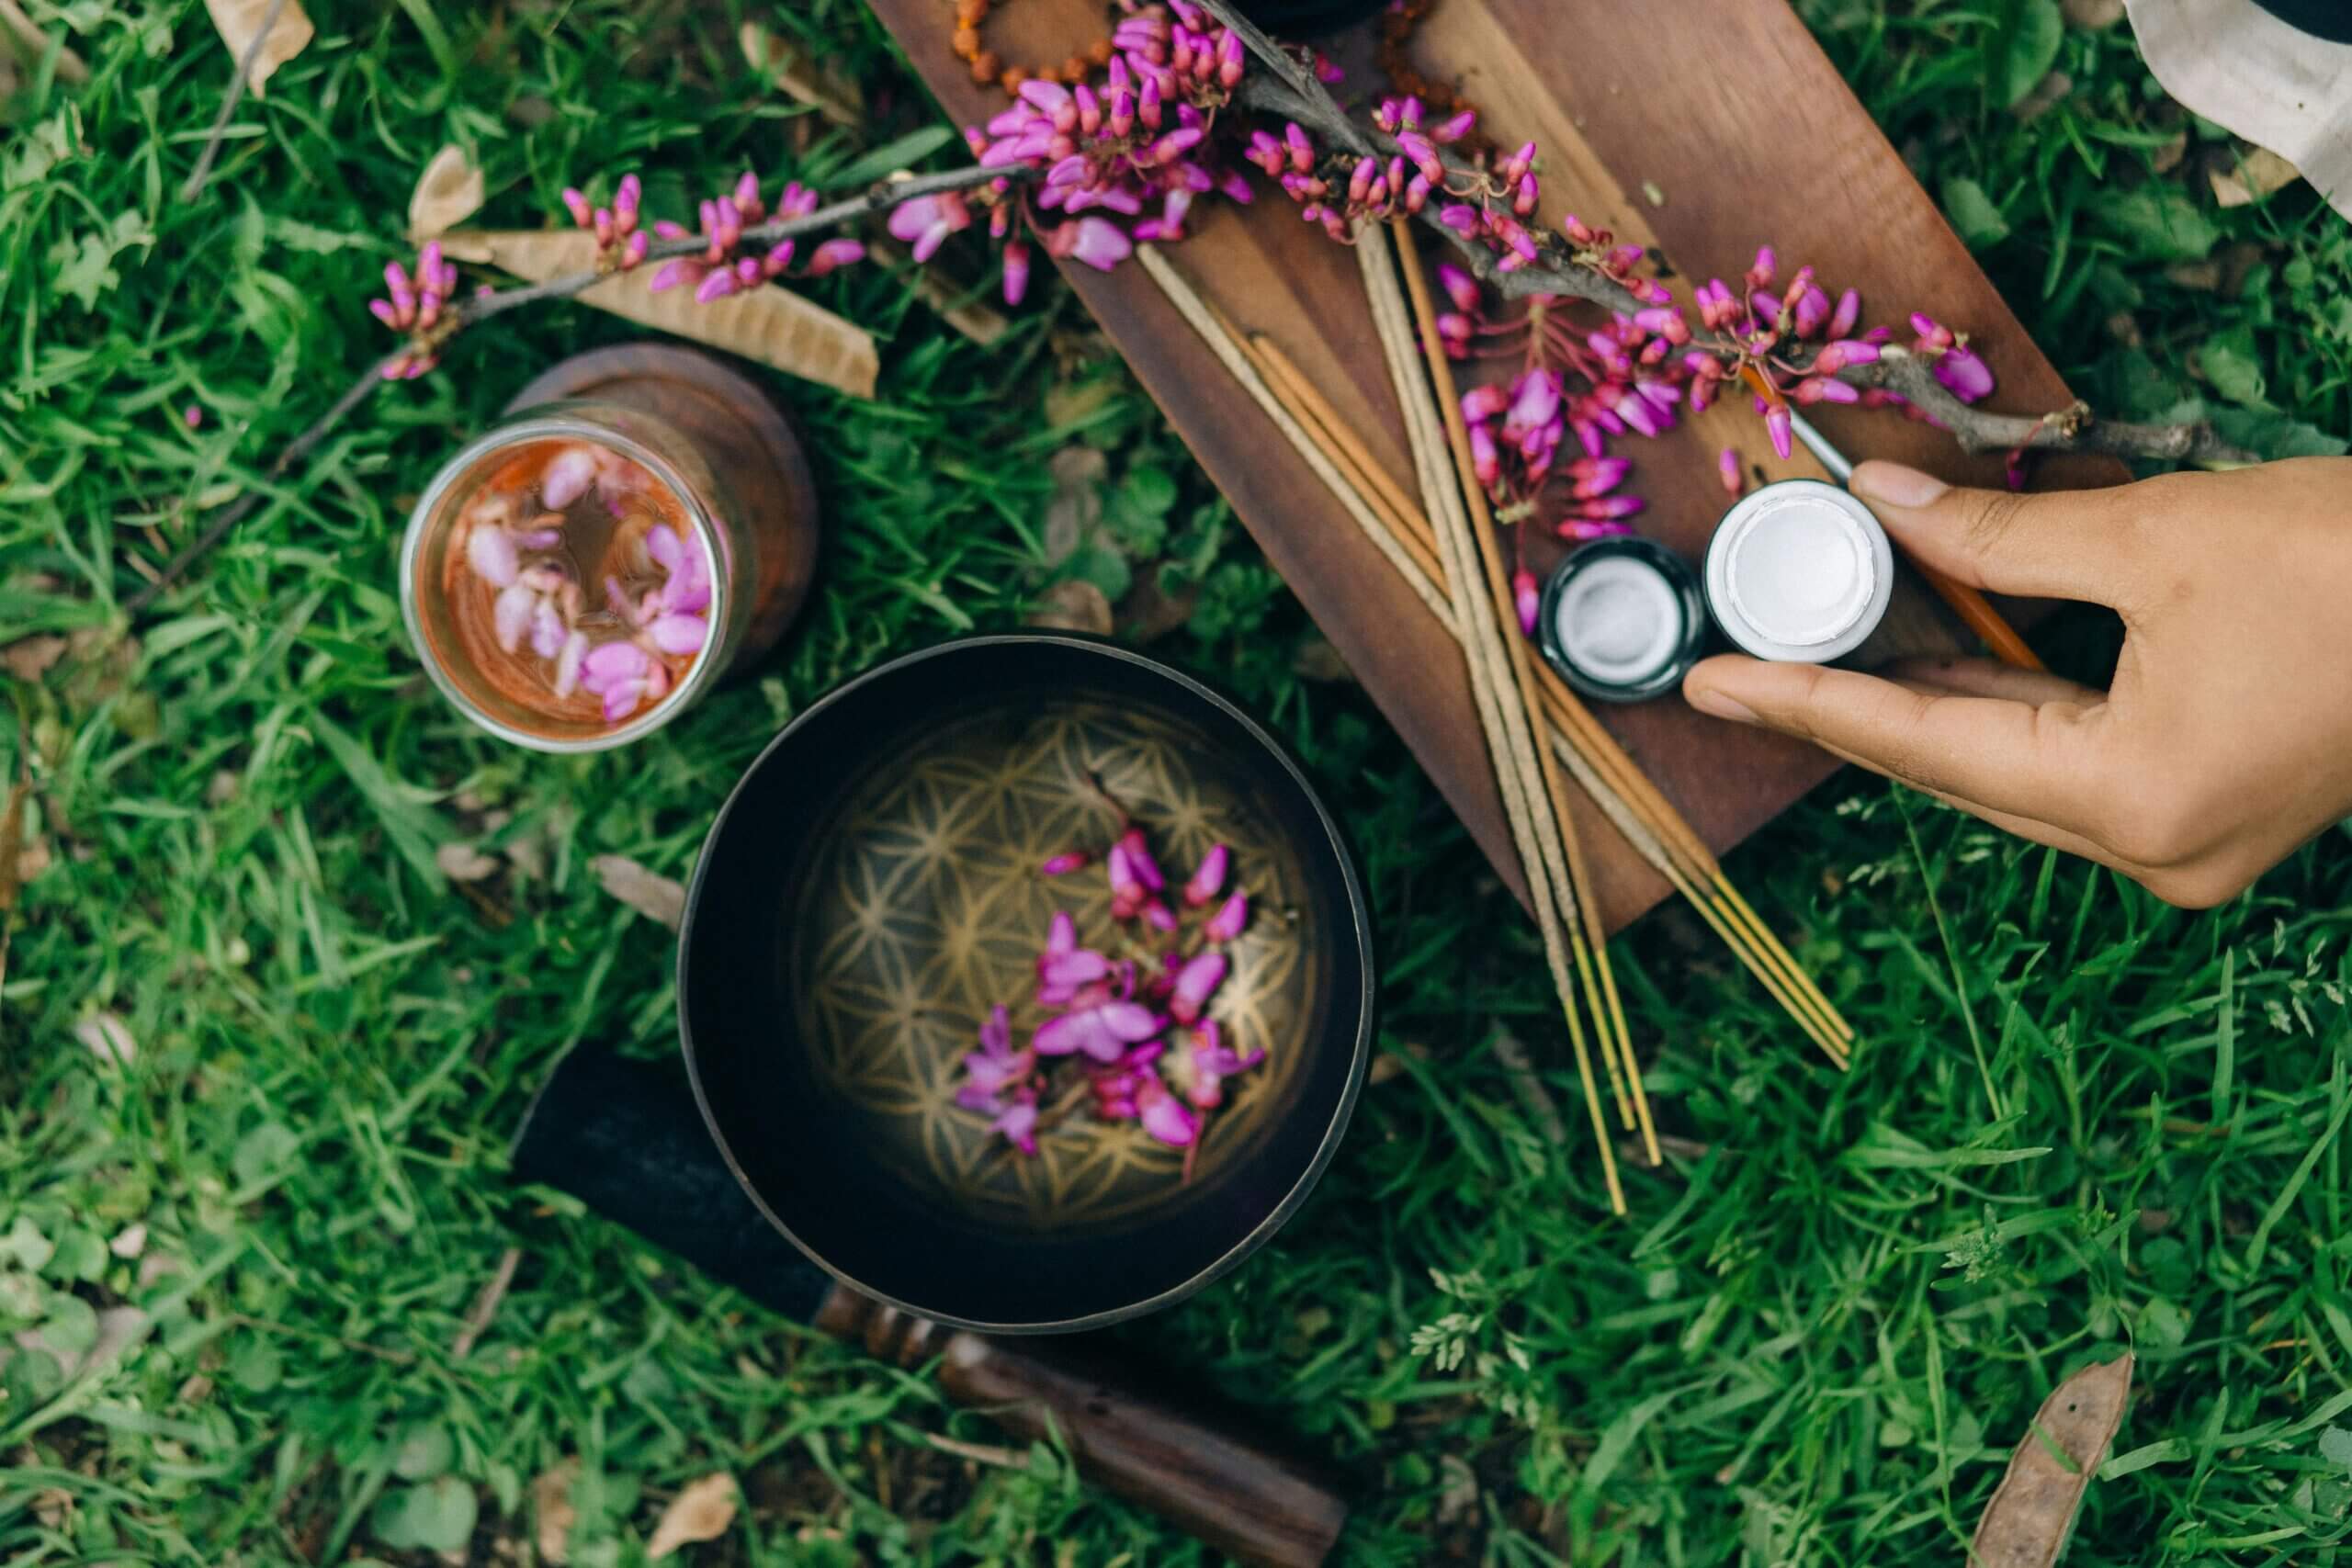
[(1535, 262), (428, 335)]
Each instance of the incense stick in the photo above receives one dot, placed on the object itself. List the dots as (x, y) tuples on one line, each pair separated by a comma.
[(1501, 711), (1573, 880), (1651, 825)]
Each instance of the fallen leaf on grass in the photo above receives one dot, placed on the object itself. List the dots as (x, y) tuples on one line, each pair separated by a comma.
[(1317, 660), (551, 1506), (108, 1039), (446, 194), (831, 93), (1074, 606), (29, 657), (701, 1512), (239, 22), (463, 862), (938, 288), (2258, 174), (655, 898), (771, 325), (2091, 16), (32, 43), (2032, 1511)]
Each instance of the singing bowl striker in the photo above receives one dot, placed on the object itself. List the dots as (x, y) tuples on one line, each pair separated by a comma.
[(872, 889)]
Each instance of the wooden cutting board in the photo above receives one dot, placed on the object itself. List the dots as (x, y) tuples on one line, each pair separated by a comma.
[(1749, 137)]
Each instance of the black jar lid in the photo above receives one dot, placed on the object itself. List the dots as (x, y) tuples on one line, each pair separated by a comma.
[(1622, 619)]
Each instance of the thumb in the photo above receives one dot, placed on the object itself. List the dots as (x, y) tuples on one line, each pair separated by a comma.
[(2053, 545)]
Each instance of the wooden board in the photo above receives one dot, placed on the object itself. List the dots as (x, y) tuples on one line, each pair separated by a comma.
[(1752, 137)]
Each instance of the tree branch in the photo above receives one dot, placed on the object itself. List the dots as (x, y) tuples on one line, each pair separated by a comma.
[(1558, 271), (882, 195), (229, 102)]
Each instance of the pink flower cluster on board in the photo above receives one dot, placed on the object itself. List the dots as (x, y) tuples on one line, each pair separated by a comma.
[(654, 620), (1601, 375), (1136, 1025), (1133, 145)]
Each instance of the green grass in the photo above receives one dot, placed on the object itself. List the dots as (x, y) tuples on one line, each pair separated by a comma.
[(2082, 1121)]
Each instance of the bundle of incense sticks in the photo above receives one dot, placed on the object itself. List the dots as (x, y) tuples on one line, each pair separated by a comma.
[(1564, 730)]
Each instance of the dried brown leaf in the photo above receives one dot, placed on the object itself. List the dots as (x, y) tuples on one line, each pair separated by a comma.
[(771, 325), (463, 862), (239, 23), (655, 898), (2166, 158), (32, 43), (446, 194), (108, 1039), (831, 93), (2258, 174), (939, 290), (1317, 660), (11, 838), (2091, 16), (1074, 606), (1149, 613), (551, 1506), (701, 1512), (2032, 1511), (28, 657)]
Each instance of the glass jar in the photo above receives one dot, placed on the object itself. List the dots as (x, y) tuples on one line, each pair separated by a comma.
[(509, 560)]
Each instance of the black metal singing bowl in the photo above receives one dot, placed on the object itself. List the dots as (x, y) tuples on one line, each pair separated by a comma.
[(872, 889)]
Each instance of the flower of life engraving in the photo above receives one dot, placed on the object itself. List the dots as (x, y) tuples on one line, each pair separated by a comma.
[(923, 908)]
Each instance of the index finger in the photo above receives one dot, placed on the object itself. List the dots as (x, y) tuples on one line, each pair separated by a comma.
[(2013, 757)]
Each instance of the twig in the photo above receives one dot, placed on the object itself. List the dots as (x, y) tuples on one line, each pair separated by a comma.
[(482, 307), (1300, 96), (229, 102), (485, 1307), (235, 512), (980, 1453), (295, 1330)]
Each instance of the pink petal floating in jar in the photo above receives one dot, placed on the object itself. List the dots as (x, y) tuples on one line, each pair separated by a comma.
[(610, 663), (566, 663), (688, 590), (547, 628), (669, 551), (490, 551), (621, 700), (510, 615), (676, 634), (567, 476)]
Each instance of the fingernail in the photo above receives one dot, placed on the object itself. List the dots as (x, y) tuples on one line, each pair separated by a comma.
[(1897, 486), (1708, 700)]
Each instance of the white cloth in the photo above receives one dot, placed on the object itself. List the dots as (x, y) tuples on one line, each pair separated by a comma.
[(2276, 86)]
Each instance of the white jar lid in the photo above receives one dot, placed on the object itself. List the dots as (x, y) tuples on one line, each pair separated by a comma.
[(1799, 573), (1619, 620)]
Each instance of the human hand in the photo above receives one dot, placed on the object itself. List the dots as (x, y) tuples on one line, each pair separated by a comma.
[(2226, 738)]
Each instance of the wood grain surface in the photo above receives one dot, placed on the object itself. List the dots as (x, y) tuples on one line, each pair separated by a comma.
[(1751, 138)]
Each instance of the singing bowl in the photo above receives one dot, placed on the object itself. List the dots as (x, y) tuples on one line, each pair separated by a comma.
[(872, 889)]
